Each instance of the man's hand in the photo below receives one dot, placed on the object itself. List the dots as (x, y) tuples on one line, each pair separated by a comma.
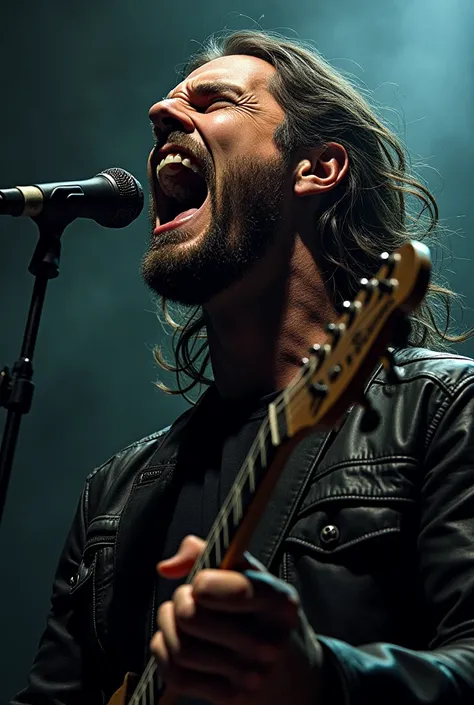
[(227, 636)]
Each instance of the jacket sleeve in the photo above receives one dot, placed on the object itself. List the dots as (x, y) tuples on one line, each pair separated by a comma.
[(57, 675), (444, 674)]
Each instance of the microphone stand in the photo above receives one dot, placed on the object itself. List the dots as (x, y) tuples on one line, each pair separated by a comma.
[(16, 389)]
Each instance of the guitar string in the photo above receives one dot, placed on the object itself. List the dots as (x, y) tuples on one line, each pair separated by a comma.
[(281, 403)]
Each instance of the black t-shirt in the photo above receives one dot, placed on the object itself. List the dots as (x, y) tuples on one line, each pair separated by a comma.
[(216, 455)]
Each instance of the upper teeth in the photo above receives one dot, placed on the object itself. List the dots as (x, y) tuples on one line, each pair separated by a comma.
[(177, 159)]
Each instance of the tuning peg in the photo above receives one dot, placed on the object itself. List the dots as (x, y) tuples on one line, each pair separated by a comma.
[(368, 285), (351, 308), (334, 372), (390, 261), (370, 418), (387, 285), (334, 329), (318, 390), (314, 349), (319, 351), (390, 368)]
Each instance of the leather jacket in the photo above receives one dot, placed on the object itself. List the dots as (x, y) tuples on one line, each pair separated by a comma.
[(380, 549)]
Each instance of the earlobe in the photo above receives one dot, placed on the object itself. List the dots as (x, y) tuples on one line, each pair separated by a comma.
[(321, 170)]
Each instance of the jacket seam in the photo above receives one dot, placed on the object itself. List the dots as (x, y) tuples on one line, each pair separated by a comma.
[(94, 617), (152, 436), (450, 390), (436, 356), (443, 408), (308, 544), (330, 498), (98, 517), (102, 540), (372, 461)]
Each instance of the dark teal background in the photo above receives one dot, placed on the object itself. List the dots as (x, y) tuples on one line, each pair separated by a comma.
[(76, 83)]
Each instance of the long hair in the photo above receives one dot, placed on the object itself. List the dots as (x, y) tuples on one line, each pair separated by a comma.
[(376, 208)]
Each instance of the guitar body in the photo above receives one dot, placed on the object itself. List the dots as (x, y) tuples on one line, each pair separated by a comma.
[(125, 692)]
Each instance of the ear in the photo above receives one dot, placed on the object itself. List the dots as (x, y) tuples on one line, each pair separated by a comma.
[(321, 170)]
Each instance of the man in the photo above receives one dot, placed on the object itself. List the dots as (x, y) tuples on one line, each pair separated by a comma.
[(273, 189)]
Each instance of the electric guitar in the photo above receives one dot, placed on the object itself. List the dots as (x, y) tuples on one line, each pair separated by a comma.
[(332, 378)]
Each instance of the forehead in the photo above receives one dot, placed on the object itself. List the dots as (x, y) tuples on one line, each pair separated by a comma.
[(249, 72)]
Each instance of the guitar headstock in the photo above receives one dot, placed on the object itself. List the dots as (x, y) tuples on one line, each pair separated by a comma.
[(334, 374)]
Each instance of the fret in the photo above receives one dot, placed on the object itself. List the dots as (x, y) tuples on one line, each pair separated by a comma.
[(272, 417), (150, 691), (237, 506), (251, 475), (217, 546), (207, 557), (263, 448), (225, 528)]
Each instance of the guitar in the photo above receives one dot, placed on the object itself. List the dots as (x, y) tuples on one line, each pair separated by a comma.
[(331, 379)]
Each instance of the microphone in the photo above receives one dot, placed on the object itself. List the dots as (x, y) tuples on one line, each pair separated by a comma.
[(113, 198)]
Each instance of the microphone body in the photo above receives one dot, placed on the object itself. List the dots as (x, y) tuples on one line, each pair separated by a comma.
[(113, 198)]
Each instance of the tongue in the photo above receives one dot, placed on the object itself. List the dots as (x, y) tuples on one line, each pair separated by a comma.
[(185, 214)]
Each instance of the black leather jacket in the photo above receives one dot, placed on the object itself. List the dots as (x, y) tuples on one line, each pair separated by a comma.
[(388, 587)]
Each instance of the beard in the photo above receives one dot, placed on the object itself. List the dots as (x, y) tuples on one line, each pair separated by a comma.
[(243, 225)]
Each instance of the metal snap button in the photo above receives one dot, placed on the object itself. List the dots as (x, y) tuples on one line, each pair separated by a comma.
[(329, 534), (73, 579)]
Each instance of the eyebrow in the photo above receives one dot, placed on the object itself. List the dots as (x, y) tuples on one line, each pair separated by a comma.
[(207, 88)]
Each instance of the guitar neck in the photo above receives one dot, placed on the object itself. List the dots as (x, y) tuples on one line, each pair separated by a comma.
[(260, 457)]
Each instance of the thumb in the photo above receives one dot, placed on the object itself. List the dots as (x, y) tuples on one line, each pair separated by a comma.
[(181, 563)]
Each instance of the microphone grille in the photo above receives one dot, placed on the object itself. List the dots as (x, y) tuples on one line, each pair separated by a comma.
[(131, 198)]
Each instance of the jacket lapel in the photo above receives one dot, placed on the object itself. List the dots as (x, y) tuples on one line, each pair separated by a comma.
[(140, 535)]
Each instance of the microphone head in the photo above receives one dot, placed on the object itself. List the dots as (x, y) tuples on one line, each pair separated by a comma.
[(130, 202)]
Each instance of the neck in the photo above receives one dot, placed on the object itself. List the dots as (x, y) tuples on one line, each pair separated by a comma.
[(261, 327)]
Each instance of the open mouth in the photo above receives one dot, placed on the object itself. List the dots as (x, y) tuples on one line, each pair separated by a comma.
[(180, 188)]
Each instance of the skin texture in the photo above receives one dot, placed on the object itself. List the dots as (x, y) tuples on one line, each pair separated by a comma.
[(228, 637), (260, 325)]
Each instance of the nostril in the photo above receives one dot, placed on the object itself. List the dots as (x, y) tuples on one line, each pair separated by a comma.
[(169, 121)]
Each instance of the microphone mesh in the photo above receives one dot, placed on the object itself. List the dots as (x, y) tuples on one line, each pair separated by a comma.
[(130, 203)]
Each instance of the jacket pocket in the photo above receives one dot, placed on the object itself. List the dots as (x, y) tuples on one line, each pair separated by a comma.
[(341, 533), (351, 555)]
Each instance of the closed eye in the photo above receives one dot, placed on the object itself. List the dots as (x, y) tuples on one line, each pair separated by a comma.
[(219, 101)]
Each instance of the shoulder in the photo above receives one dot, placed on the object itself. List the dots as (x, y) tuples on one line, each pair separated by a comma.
[(110, 483), (446, 371)]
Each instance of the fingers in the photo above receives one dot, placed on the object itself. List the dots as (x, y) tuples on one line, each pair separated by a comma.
[(190, 682), (181, 563), (207, 668), (189, 653), (252, 591), (244, 635)]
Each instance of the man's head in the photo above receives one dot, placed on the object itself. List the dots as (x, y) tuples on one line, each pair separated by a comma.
[(233, 194), (290, 145)]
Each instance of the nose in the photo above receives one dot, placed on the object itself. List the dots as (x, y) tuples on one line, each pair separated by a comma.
[(168, 115)]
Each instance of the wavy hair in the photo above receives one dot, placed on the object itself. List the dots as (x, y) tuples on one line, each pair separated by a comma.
[(376, 208)]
